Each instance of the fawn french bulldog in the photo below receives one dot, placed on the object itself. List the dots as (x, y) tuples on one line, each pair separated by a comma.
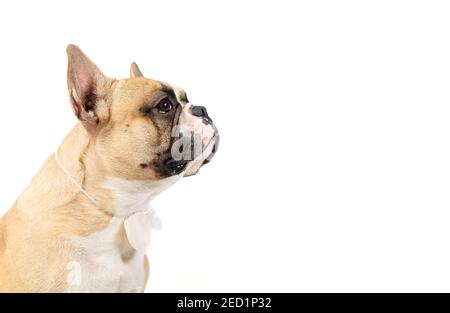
[(83, 224)]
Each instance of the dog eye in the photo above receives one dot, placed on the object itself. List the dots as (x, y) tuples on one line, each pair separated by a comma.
[(164, 106)]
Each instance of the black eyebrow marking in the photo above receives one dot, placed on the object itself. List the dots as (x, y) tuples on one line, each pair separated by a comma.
[(169, 91)]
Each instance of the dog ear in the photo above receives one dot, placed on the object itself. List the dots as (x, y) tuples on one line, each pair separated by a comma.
[(85, 82), (135, 71)]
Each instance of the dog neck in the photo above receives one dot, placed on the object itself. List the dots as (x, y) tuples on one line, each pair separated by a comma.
[(61, 199), (83, 171)]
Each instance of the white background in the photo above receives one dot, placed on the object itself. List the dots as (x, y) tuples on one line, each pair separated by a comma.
[(333, 172)]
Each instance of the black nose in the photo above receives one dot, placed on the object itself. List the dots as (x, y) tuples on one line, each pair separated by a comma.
[(199, 111)]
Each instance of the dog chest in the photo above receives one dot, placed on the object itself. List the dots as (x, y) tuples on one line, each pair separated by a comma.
[(100, 264)]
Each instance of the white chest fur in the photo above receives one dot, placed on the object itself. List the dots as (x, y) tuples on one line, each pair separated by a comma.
[(99, 263)]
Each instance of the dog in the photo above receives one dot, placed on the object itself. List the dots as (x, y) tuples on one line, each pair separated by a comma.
[(83, 224)]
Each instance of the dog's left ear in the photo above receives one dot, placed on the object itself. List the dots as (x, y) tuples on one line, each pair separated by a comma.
[(87, 86), (135, 71)]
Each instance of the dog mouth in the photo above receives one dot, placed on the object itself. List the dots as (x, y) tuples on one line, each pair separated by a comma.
[(174, 167), (171, 166)]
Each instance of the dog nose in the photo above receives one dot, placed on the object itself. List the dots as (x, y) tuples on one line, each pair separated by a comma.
[(199, 111)]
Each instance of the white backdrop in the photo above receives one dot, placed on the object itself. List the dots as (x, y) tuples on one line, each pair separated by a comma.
[(333, 172)]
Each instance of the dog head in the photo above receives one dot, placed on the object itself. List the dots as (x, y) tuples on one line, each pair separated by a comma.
[(141, 129)]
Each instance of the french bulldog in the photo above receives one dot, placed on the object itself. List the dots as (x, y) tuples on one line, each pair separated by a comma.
[(82, 225)]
